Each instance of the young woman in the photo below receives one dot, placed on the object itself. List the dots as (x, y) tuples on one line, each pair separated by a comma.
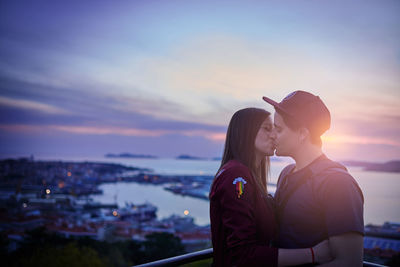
[(243, 226)]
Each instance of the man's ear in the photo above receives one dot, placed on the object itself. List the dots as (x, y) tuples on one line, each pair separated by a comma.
[(304, 134)]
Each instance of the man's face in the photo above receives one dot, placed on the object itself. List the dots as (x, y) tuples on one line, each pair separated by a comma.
[(287, 140)]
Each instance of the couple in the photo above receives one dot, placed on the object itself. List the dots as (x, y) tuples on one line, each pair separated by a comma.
[(316, 215)]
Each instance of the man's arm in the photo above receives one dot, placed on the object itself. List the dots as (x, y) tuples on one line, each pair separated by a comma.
[(289, 257), (346, 249)]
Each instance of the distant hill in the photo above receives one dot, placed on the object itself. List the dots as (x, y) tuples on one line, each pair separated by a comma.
[(129, 155), (189, 157), (271, 159), (390, 166), (218, 158)]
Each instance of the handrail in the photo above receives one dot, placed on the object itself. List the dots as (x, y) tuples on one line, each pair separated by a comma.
[(371, 264), (182, 259), (206, 254)]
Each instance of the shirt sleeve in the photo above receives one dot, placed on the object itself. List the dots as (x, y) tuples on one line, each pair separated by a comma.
[(342, 204), (238, 217)]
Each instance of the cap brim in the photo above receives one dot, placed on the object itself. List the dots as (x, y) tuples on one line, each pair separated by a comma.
[(275, 104), (270, 101)]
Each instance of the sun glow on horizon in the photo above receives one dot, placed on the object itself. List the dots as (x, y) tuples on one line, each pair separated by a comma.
[(358, 139)]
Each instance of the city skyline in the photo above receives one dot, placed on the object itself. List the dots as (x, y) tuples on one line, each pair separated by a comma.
[(164, 77)]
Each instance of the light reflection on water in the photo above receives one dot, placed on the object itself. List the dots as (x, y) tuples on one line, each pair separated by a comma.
[(381, 190), (166, 202)]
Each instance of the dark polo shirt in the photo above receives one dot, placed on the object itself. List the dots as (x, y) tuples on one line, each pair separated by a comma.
[(242, 223), (328, 202)]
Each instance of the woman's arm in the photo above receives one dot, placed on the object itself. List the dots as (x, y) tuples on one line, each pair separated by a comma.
[(287, 257), (238, 216)]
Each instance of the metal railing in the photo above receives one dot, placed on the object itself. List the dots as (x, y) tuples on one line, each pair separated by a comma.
[(206, 254), (182, 259)]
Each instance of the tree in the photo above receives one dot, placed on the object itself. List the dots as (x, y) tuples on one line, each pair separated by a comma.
[(162, 245), (69, 255)]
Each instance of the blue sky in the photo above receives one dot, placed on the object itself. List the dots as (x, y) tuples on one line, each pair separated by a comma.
[(164, 77)]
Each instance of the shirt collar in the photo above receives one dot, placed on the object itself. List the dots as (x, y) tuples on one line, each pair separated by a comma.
[(319, 164)]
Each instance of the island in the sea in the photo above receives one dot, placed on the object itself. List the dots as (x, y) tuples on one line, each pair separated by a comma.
[(129, 155), (184, 156), (390, 166)]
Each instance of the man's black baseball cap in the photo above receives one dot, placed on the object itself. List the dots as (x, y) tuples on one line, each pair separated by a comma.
[(306, 109)]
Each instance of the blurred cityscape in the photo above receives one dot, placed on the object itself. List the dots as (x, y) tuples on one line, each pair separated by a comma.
[(52, 199), (56, 197)]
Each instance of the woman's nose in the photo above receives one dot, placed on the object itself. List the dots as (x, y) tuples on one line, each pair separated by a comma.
[(272, 134)]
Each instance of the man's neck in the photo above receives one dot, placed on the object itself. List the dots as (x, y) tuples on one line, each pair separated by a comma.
[(306, 155)]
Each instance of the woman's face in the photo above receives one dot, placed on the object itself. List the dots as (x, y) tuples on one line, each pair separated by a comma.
[(265, 139)]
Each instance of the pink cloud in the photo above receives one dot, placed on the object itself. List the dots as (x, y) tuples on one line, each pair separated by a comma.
[(31, 105), (101, 130)]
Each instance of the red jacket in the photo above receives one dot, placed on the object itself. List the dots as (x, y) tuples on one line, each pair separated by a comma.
[(242, 224)]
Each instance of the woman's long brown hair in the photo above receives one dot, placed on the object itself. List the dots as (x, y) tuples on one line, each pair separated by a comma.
[(239, 143)]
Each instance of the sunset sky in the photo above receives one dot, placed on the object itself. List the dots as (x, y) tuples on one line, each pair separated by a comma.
[(84, 78)]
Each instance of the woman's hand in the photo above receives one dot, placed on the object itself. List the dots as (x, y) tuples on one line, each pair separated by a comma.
[(322, 252)]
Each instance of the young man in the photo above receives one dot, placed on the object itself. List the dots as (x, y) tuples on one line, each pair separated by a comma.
[(316, 197)]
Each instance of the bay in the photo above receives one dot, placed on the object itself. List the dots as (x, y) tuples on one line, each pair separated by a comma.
[(381, 189)]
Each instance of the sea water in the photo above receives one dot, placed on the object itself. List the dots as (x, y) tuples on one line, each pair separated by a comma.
[(381, 189)]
